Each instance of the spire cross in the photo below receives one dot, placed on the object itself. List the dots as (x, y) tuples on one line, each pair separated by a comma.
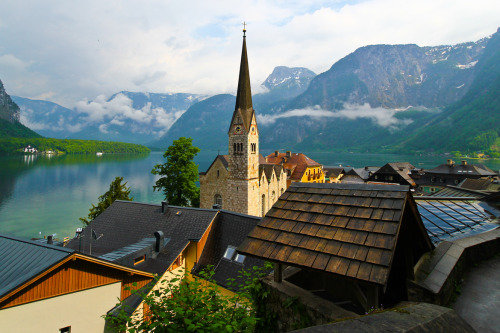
[(244, 28)]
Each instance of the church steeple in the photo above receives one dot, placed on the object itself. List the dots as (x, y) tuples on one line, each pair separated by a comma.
[(244, 95), (243, 111)]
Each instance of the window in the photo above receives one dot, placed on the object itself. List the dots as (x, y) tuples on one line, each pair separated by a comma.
[(218, 200), (263, 204), (239, 258), (229, 252), (253, 147), (140, 259), (218, 173), (273, 195)]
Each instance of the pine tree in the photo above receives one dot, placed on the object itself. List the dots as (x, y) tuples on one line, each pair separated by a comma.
[(117, 191)]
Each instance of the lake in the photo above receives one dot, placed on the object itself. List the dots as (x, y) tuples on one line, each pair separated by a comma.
[(41, 195)]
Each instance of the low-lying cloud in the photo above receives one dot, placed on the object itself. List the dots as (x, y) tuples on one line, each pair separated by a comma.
[(119, 111), (380, 116)]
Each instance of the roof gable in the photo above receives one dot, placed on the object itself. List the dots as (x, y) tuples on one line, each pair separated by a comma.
[(345, 229)]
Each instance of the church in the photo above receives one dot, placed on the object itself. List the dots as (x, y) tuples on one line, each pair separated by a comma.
[(244, 181)]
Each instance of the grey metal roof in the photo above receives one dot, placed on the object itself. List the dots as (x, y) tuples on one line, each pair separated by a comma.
[(21, 260), (126, 223), (456, 217)]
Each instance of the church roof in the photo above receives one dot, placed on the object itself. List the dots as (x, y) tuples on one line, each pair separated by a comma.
[(297, 163), (244, 94), (224, 160)]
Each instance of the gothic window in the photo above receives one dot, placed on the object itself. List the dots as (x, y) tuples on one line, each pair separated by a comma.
[(218, 173), (218, 200), (234, 147), (253, 147), (273, 195), (263, 204)]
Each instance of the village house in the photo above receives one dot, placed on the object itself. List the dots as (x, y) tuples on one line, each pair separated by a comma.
[(47, 288), (394, 173), (432, 180), (168, 240), (342, 249)]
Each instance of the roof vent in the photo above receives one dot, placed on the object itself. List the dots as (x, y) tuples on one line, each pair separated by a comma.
[(450, 162), (276, 153), (464, 162), (50, 240), (288, 154), (164, 206)]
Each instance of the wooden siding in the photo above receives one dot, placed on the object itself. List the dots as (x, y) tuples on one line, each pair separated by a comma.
[(74, 274)]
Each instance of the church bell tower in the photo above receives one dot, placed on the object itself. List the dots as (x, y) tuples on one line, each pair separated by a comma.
[(243, 182)]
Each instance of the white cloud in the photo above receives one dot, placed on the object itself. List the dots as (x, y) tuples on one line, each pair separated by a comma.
[(71, 51), (380, 116), (119, 110)]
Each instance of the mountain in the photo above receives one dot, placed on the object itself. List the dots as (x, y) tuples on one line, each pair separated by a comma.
[(472, 123), (9, 118), (207, 122), (375, 97), (49, 119), (126, 116), (395, 76)]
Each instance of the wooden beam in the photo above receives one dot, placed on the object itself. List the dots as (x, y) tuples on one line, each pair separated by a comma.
[(278, 272)]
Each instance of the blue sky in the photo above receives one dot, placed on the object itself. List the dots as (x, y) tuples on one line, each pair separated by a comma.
[(73, 51)]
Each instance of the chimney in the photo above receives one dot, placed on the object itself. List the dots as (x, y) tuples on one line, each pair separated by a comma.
[(288, 154), (276, 153), (49, 239), (164, 206), (450, 162), (366, 168), (159, 240), (464, 162)]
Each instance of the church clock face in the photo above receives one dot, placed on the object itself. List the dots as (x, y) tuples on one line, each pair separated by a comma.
[(237, 129)]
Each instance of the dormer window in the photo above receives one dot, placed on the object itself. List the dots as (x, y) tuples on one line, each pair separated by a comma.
[(140, 259)]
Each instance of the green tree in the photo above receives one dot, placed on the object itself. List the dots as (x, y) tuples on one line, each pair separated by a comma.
[(179, 174), (117, 191), (186, 304)]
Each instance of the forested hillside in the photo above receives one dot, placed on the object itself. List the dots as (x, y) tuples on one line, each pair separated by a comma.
[(473, 123), (13, 145)]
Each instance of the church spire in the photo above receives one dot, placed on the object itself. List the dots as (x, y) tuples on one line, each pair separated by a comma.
[(244, 94)]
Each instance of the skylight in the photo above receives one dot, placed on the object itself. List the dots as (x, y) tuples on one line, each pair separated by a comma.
[(445, 219), (239, 258), (229, 252)]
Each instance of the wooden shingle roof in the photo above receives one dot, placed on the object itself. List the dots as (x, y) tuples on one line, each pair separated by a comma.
[(345, 229)]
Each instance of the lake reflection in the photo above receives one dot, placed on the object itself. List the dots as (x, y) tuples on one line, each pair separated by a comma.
[(42, 195)]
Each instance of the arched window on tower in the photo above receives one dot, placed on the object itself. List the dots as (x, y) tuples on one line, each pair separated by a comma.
[(263, 204), (234, 148), (218, 200)]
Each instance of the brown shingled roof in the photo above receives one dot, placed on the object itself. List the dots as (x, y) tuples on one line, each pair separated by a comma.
[(346, 229)]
